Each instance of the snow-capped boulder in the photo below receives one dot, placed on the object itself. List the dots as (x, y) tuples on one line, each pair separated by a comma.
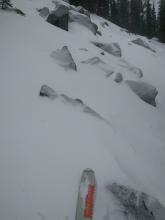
[(64, 58), (143, 43), (44, 12), (118, 78), (48, 92), (112, 48), (144, 90), (136, 71), (82, 10), (59, 17), (137, 205), (104, 24), (84, 20)]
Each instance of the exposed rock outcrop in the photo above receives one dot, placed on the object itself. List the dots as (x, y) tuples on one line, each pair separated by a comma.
[(64, 58), (137, 205), (59, 17), (144, 90), (84, 20), (112, 48), (143, 43)]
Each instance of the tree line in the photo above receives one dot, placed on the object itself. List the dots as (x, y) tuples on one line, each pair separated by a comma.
[(137, 16)]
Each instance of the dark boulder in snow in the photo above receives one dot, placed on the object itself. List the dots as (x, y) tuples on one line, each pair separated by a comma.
[(48, 92), (143, 43), (59, 17), (83, 20), (44, 12), (137, 205), (118, 78), (64, 58), (144, 90), (112, 48)]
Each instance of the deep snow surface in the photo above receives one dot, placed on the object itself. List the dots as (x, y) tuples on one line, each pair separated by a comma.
[(45, 144)]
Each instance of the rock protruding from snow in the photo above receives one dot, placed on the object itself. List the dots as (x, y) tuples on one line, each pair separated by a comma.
[(84, 20), (136, 71), (82, 10), (137, 205), (118, 78), (112, 48), (48, 92), (44, 12), (64, 58), (143, 43), (104, 24), (93, 61), (144, 90), (59, 17)]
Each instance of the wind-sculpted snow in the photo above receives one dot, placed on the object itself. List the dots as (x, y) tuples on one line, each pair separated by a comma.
[(144, 90), (46, 91), (96, 61), (143, 43), (64, 58), (112, 48), (137, 205)]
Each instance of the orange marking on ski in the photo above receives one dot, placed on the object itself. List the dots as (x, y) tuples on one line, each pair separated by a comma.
[(89, 202)]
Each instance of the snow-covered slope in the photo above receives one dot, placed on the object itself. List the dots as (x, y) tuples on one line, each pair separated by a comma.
[(45, 144)]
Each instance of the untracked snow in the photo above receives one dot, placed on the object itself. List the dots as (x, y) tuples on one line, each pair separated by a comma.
[(46, 144)]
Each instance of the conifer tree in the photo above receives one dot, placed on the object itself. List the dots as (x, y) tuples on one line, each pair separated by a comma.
[(5, 4), (149, 26), (162, 21)]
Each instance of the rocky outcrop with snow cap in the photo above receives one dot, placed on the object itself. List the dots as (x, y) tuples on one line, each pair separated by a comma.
[(64, 58), (59, 17), (112, 48), (84, 20), (144, 90)]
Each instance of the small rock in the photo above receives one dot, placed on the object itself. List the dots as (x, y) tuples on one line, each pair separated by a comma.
[(43, 12), (112, 48), (104, 24), (99, 33), (118, 78), (137, 71), (48, 92), (93, 61), (144, 90), (102, 53), (64, 58), (82, 10)]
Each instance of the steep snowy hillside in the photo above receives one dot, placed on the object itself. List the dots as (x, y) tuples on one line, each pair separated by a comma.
[(97, 114)]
